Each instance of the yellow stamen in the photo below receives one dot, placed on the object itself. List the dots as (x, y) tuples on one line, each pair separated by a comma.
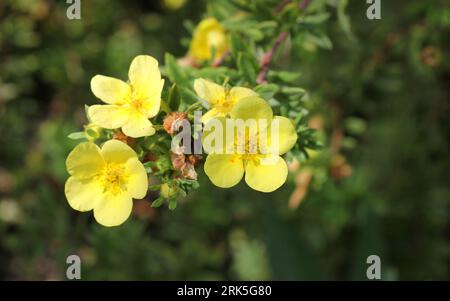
[(113, 178)]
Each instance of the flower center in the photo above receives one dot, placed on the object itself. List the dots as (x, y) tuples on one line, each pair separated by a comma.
[(136, 105), (247, 148), (113, 178), (224, 105), (136, 102)]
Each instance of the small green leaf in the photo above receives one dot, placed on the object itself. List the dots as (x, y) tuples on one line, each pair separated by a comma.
[(355, 125), (174, 97), (266, 91), (267, 25), (189, 25), (173, 70), (92, 133), (158, 202), (154, 187), (165, 107), (236, 44), (254, 34), (247, 66), (321, 40), (149, 166), (187, 96), (293, 91), (285, 76), (314, 19), (77, 135), (86, 108), (172, 204), (344, 20)]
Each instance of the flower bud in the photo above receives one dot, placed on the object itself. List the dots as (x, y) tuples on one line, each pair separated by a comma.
[(167, 191), (92, 131), (173, 120)]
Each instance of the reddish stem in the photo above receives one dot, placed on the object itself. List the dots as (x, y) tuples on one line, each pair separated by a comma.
[(267, 58), (221, 59), (304, 4)]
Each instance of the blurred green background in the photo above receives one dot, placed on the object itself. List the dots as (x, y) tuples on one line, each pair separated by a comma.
[(382, 92)]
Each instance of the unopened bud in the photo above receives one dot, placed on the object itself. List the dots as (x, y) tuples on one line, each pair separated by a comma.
[(167, 191), (119, 135), (92, 131), (172, 121)]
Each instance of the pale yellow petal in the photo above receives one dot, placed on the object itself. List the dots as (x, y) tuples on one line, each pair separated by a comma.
[(266, 177), (251, 107), (137, 185), (224, 170), (85, 160), (110, 90), (238, 93), (287, 135), (113, 210), (117, 151), (213, 113), (209, 91), (82, 194), (138, 126), (218, 136), (145, 76), (108, 116), (152, 104)]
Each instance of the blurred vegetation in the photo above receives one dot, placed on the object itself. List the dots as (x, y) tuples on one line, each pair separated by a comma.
[(378, 94)]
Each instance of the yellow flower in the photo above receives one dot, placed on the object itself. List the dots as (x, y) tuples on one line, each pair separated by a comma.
[(174, 4), (208, 34), (105, 180), (221, 101), (129, 106), (264, 169)]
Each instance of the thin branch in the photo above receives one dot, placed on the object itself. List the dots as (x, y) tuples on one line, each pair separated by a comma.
[(221, 59), (281, 6), (267, 57), (304, 4), (265, 63)]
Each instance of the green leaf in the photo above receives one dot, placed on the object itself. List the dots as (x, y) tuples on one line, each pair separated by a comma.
[(174, 97), (165, 107), (172, 204), (243, 4), (154, 187), (266, 91), (189, 25), (241, 24), (149, 166), (91, 133), (236, 44), (158, 202), (86, 108), (355, 125), (173, 70), (188, 97), (267, 25), (77, 135), (293, 91), (314, 19), (285, 76), (254, 34), (344, 20), (216, 74), (247, 66), (322, 40)]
